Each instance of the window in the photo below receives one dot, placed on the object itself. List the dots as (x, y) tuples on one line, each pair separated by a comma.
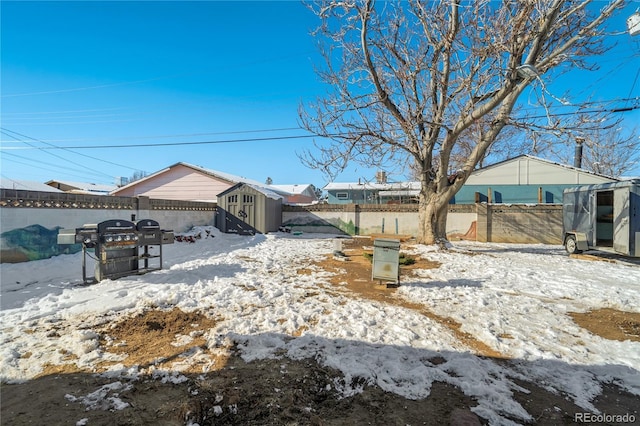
[(247, 199), (342, 195), (232, 199)]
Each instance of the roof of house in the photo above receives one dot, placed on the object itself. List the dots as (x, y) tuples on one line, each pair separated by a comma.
[(542, 160), (232, 179), (294, 188), (28, 185), (403, 186), (394, 186), (81, 187)]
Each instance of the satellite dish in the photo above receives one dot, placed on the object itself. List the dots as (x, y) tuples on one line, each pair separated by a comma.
[(633, 23)]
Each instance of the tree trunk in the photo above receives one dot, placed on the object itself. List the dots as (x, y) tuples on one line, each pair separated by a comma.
[(432, 217)]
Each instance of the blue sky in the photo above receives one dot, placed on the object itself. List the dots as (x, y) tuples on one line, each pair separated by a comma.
[(85, 74)]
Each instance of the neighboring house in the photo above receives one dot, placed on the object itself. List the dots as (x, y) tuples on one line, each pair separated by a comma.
[(26, 185), (300, 194), (523, 179), (183, 181), (81, 187), (372, 193), (246, 209)]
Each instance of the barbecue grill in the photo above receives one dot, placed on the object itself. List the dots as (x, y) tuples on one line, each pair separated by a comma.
[(121, 247), (116, 249), (150, 234)]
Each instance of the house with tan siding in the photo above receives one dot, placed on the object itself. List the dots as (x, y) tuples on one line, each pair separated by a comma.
[(183, 181)]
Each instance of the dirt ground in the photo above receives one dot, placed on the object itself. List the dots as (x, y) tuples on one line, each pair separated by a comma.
[(278, 391)]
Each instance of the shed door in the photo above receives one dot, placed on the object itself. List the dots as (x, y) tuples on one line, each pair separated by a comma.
[(232, 211), (232, 204), (248, 214), (621, 220)]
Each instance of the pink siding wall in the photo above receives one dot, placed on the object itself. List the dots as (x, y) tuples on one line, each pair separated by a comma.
[(178, 183)]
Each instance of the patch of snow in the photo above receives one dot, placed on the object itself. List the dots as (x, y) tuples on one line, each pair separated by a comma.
[(103, 398)]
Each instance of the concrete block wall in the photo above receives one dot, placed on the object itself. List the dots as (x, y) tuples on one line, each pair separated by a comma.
[(367, 219), (515, 223), (519, 223)]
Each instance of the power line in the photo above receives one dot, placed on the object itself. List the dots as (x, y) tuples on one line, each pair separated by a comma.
[(50, 153), (286, 129), (63, 112), (39, 167), (183, 135), (262, 139), (599, 111), (276, 138), (4, 131)]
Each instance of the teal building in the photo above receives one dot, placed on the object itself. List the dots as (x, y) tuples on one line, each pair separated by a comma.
[(520, 180)]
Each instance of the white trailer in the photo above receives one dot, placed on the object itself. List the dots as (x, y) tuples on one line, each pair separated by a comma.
[(603, 217)]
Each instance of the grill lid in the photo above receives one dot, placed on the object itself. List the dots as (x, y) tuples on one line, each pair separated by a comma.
[(115, 225), (147, 225)]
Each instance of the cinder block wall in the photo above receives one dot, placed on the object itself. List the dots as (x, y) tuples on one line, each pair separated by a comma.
[(515, 223), (519, 223)]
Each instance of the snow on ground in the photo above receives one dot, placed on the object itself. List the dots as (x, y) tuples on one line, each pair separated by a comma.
[(513, 298)]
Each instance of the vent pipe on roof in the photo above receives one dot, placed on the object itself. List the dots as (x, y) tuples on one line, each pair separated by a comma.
[(577, 159)]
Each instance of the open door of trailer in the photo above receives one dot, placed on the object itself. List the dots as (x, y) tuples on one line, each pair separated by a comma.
[(621, 220), (603, 219)]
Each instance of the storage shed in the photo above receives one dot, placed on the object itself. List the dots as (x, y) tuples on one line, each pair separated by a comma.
[(247, 209)]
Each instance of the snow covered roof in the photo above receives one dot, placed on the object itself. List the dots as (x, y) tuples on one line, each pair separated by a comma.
[(400, 193), (395, 186), (267, 192), (28, 185), (231, 178), (412, 186), (260, 188), (226, 176), (81, 187), (294, 188)]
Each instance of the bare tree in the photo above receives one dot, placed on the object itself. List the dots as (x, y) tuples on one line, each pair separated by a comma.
[(410, 80), (607, 150), (611, 153), (137, 175)]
